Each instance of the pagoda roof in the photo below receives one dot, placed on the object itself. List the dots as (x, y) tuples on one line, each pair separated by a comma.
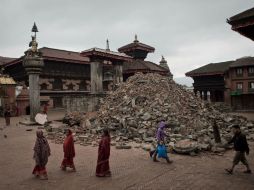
[(58, 55), (210, 69), (242, 62), (136, 45), (243, 23), (140, 65), (243, 15), (105, 54), (5, 60)]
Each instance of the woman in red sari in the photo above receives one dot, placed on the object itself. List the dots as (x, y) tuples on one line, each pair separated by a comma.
[(102, 169), (41, 154), (69, 152)]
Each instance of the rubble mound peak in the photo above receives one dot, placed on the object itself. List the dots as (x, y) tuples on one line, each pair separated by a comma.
[(149, 98)]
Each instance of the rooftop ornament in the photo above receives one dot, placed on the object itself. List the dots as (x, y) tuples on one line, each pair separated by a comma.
[(107, 45), (136, 39)]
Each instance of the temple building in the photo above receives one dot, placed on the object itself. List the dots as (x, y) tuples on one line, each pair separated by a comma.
[(138, 51), (7, 93), (209, 79), (77, 80), (164, 64), (231, 82)]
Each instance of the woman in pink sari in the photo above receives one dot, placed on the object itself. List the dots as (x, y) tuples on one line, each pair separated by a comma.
[(41, 154), (102, 169), (69, 152)]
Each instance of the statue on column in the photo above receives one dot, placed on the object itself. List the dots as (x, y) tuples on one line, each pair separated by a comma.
[(33, 50), (34, 45)]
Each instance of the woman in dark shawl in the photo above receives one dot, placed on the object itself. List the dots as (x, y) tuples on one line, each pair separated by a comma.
[(102, 169), (69, 151), (41, 154)]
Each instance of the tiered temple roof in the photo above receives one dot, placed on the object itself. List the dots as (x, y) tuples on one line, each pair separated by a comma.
[(137, 50), (140, 65)]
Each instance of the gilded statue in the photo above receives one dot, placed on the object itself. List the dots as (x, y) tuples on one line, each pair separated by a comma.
[(34, 45)]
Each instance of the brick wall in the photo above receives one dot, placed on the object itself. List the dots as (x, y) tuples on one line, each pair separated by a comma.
[(244, 79)]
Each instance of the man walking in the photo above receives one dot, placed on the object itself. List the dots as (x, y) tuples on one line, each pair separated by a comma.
[(241, 147)]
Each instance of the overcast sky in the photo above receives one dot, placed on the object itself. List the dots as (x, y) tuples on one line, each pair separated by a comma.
[(189, 33)]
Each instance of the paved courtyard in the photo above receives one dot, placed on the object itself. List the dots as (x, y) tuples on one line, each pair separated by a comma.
[(131, 169)]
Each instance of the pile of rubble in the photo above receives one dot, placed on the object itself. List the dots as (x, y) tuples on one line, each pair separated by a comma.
[(133, 110), (74, 118)]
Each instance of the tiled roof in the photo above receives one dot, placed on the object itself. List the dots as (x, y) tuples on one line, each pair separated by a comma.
[(4, 60), (210, 69), (245, 61), (243, 15), (105, 53), (6, 80), (51, 53), (136, 45), (58, 55), (141, 65)]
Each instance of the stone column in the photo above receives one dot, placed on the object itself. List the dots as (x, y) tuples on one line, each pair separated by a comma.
[(96, 77), (118, 73), (33, 66)]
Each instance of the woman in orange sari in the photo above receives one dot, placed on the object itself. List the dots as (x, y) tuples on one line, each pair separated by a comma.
[(102, 169), (69, 152)]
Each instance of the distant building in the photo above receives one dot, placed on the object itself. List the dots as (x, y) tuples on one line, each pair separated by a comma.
[(240, 83), (7, 93), (231, 82), (210, 78)]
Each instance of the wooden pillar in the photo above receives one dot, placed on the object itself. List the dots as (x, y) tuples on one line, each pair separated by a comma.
[(96, 77), (118, 73), (205, 95)]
